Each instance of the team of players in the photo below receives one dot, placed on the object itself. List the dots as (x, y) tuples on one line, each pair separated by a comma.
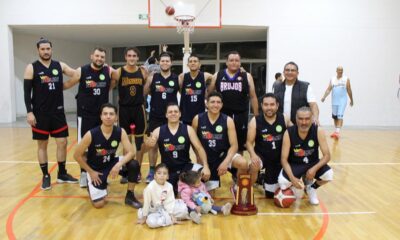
[(218, 136)]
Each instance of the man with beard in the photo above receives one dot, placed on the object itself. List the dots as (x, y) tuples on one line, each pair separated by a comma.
[(94, 84), (163, 88), (44, 101), (266, 131), (237, 88), (130, 81), (300, 157)]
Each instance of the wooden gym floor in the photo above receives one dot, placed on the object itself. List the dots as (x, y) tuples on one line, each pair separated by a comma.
[(361, 203)]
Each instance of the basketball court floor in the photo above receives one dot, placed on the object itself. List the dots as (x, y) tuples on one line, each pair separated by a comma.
[(361, 202)]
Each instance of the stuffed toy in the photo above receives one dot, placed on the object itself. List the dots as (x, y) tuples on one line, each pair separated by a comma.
[(201, 199)]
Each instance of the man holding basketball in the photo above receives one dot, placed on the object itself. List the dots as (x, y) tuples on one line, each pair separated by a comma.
[(300, 156)]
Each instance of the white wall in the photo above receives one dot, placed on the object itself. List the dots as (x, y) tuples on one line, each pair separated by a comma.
[(360, 35), (74, 54)]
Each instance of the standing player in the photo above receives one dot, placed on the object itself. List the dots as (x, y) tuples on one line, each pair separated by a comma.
[(236, 87), (102, 142), (193, 90), (174, 140), (94, 84), (163, 88), (217, 134), (266, 131), (131, 80), (300, 156), (340, 87), (44, 101)]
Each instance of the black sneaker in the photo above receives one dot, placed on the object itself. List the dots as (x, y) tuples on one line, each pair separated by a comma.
[(133, 202), (66, 178), (46, 182)]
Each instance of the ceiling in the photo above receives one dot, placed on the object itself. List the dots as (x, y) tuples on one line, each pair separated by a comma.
[(122, 35)]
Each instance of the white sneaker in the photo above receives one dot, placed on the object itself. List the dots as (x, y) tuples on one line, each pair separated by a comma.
[(195, 217), (83, 180), (226, 209), (312, 195)]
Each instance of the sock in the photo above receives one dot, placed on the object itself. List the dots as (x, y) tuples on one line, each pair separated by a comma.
[(43, 166), (152, 168), (61, 168), (130, 194), (337, 130), (315, 185)]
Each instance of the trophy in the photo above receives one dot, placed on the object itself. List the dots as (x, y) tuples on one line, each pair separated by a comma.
[(244, 197)]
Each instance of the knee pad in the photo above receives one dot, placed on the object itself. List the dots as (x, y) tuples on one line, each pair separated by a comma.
[(327, 176), (138, 143), (133, 170)]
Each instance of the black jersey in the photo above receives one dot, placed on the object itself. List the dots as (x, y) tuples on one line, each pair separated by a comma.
[(94, 86), (174, 149), (47, 87), (303, 151), (214, 137), (130, 88), (192, 96), (234, 90), (162, 91), (269, 137), (101, 151)]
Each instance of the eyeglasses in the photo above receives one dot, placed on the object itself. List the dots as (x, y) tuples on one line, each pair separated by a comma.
[(290, 70)]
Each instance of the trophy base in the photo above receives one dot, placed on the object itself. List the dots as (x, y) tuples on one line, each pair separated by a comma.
[(244, 210)]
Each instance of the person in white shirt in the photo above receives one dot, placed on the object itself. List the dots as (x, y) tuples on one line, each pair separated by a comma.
[(293, 94), (160, 208)]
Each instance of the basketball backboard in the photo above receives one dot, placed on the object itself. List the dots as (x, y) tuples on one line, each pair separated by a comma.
[(207, 13)]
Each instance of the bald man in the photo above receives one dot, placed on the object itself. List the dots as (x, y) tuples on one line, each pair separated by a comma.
[(340, 87)]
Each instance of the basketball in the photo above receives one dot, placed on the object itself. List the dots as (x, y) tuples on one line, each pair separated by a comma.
[(284, 198), (170, 10)]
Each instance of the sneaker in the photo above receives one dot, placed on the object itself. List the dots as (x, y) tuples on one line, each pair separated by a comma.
[(83, 180), (195, 217), (233, 191), (133, 202), (335, 135), (66, 178), (226, 209), (150, 176), (312, 195), (46, 182)]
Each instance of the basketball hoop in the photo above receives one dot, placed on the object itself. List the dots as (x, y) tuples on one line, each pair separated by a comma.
[(185, 23)]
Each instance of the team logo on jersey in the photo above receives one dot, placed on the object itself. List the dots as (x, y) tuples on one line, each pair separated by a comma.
[(91, 84), (114, 143), (219, 129), (55, 72), (207, 135), (168, 147), (298, 152), (198, 84), (278, 128), (189, 91), (181, 139), (311, 143), (160, 88), (171, 83), (45, 79), (267, 137), (102, 77)]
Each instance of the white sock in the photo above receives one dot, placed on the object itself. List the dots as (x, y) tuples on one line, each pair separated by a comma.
[(337, 130)]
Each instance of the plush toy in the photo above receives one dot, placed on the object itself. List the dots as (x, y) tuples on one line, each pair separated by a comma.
[(201, 199)]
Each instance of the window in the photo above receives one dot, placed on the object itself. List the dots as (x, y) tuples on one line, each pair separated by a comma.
[(247, 50)]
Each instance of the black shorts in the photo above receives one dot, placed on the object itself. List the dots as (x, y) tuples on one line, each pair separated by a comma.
[(300, 169), (53, 124), (97, 193), (85, 123), (133, 115), (241, 120), (155, 123), (272, 170), (173, 177)]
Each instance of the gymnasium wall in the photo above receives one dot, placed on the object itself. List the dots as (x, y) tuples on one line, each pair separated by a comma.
[(362, 36)]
